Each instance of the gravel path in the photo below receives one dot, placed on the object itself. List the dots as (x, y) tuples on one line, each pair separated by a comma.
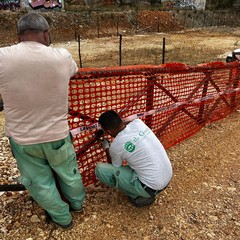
[(202, 201)]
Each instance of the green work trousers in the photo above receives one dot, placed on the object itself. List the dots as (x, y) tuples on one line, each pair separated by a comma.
[(37, 163), (123, 178)]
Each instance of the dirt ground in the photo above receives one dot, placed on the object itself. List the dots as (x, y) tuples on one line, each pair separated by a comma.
[(190, 47), (202, 200)]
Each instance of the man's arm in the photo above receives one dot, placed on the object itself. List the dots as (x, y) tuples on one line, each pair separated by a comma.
[(109, 159), (106, 145)]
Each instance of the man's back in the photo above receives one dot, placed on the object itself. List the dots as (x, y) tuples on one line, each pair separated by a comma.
[(33, 82), (144, 153)]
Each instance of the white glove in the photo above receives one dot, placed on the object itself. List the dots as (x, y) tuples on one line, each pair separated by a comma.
[(105, 143)]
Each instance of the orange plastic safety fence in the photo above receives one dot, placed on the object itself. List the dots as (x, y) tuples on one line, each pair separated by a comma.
[(174, 100)]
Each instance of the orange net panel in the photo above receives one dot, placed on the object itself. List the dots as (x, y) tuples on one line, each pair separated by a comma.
[(174, 100)]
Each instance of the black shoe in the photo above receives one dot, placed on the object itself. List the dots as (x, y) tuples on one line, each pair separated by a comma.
[(48, 217), (75, 210), (63, 226), (141, 202)]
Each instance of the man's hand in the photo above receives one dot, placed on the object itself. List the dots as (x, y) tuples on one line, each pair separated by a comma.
[(105, 143)]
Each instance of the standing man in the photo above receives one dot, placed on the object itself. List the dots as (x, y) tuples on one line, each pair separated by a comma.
[(34, 80), (148, 169)]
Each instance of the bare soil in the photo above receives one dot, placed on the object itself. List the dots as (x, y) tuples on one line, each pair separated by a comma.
[(193, 46), (202, 201)]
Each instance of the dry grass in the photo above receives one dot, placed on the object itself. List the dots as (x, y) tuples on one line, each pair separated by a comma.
[(191, 47)]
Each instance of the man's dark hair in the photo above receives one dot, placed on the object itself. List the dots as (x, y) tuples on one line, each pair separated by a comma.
[(32, 22), (110, 120)]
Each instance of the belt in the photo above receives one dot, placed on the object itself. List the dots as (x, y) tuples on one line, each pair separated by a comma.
[(149, 190)]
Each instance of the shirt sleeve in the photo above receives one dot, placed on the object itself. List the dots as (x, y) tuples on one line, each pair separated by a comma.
[(72, 64)]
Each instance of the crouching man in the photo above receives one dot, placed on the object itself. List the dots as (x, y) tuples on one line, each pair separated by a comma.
[(148, 170)]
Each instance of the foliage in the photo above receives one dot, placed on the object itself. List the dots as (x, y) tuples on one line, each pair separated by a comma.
[(220, 4)]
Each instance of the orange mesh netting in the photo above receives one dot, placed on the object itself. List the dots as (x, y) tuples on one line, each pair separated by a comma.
[(174, 100)]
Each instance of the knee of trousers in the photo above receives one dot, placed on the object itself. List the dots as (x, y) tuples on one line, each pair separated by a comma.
[(103, 169), (105, 173), (46, 196)]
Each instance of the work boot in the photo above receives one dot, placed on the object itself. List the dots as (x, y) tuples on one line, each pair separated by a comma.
[(63, 226), (75, 210), (141, 201)]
